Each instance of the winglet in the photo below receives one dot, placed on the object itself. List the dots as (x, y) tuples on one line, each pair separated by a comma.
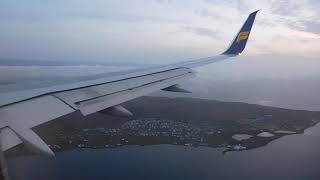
[(240, 41)]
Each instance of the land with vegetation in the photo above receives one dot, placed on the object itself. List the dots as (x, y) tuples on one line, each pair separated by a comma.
[(177, 121)]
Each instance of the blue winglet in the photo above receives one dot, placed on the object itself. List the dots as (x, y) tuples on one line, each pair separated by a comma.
[(240, 41)]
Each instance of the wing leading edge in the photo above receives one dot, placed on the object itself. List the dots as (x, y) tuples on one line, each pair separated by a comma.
[(22, 110)]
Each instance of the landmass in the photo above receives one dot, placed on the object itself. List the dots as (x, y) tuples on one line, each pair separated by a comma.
[(192, 122)]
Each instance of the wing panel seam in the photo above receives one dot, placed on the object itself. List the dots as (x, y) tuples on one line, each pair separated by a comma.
[(53, 95)]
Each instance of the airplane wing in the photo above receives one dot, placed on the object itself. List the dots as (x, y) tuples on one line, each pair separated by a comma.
[(22, 110)]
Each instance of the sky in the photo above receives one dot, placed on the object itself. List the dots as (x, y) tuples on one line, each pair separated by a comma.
[(158, 31), (279, 67)]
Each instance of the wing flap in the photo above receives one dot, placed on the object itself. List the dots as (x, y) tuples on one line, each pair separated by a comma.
[(8, 139), (31, 140), (13, 136)]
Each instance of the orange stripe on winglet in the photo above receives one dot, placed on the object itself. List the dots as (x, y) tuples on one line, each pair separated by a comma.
[(243, 36)]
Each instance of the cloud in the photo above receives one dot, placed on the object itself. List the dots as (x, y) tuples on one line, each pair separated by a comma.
[(125, 17), (164, 1), (204, 32), (300, 15), (286, 8), (19, 74), (204, 12), (305, 25), (312, 27), (237, 4)]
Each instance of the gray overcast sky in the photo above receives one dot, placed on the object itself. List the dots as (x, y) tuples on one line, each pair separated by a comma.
[(280, 65), (158, 31)]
